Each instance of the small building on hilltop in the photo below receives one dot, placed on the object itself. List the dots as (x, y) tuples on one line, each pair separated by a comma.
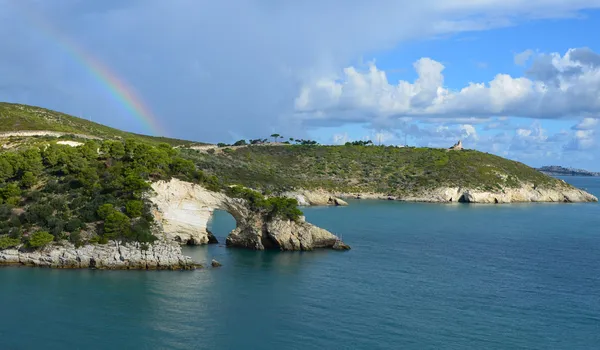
[(457, 146)]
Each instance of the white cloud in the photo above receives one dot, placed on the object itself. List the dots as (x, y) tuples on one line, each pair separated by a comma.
[(522, 57), (587, 124), (469, 131), (557, 86)]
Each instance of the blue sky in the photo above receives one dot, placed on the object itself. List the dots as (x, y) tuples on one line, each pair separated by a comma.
[(333, 70), (479, 57)]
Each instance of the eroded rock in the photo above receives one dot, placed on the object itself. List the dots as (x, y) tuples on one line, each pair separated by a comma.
[(183, 209), (281, 234), (160, 255)]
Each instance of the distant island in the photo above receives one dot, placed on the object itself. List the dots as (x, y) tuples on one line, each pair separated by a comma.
[(78, 194), (556, 170)]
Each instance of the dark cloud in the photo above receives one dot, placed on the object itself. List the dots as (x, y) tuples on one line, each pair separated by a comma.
[(586, 57)]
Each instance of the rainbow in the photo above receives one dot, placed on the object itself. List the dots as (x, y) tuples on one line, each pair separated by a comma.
[(116, 87)]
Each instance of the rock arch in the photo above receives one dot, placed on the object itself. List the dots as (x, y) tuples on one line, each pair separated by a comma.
[(184, 209)]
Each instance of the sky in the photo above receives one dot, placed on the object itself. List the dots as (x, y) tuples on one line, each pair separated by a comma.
[(520, 79)]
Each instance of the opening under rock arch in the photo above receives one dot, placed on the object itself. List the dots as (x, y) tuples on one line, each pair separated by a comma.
[(220, 224)]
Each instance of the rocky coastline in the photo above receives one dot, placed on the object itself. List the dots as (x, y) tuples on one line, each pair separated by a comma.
[(184, 209), (523, 194), (161, 255)]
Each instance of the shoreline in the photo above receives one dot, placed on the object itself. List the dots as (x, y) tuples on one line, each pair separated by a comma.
[(161, 255), (524, 194)]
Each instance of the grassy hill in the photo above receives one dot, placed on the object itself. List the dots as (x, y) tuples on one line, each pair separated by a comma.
[(379, 169), (17, 117), (393, 170)]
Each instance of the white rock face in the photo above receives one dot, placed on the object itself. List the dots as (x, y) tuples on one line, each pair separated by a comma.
[(315, 197), (161, 255), (526, 193), (184, 209), (69, 143)]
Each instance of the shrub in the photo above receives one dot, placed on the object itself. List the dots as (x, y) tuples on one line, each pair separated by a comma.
[(134, 208), (105, 210), (28, 179), (285, 208), (5, 211), (116, 225), (8, 242), (74, 225), (38, 214), (40, 239), (141, 232), (75, 238)]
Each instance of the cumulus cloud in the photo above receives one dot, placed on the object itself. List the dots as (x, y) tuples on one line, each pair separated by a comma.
[(210, 67), (557, 86)]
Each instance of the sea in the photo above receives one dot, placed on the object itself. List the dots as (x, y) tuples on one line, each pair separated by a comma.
[(419, 276)]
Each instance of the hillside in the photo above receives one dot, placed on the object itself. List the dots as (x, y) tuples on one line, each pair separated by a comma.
[(408, 172), (390, 170), (17, 117)]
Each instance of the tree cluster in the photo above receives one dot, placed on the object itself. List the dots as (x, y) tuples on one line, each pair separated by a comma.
[(359, 143), (269, 208), (91, 193)]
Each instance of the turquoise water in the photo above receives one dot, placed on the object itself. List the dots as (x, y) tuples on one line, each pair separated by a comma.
[(419, 276)]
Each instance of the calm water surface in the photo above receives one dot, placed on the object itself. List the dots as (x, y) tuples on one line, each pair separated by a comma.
[(419, 276)]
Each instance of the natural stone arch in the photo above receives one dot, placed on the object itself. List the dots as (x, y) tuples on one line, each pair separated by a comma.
[(184, 209)]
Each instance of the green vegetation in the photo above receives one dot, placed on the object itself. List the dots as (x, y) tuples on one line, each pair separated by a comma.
[(8, 242), (91, 193), (40, 239), (285, 208), (359, 143), (17, 117), (361, 168), (96, 192)]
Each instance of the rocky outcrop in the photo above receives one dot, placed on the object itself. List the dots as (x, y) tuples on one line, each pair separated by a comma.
[(184, 210), (70, 143), (316, 197), (281, 234), (525, 193), (161, 255)]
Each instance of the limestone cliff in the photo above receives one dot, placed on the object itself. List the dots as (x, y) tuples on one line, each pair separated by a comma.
[(184, 209), (314, 197), (161, 255), (525, 193), (562, 193)]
